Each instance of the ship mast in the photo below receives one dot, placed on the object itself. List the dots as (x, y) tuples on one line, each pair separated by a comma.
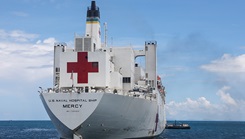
[(105, 33)]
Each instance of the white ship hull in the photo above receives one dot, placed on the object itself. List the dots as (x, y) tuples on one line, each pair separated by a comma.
[(104, 115)]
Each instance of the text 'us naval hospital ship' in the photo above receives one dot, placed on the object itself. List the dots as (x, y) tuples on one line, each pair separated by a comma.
[(101, 93)]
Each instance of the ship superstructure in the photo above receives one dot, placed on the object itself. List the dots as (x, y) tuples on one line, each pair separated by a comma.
[(100, 92)]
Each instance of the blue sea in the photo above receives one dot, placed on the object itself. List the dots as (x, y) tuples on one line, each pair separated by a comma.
[(199, 130)]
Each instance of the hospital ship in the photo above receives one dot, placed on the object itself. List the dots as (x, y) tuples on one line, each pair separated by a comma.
[(100, 92)]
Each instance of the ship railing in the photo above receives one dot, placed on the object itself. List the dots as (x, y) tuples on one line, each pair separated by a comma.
[(142, 94), (132, 93), (83, 90), (48, 90)]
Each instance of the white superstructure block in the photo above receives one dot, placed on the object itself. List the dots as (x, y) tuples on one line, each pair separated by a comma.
[(81, 69), (58, 48), (124, 61), (150, 59)]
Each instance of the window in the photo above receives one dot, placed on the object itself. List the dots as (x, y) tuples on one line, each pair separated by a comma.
[(86, 89), (94, 46), (57, 69), (126, 80), (153, 84)]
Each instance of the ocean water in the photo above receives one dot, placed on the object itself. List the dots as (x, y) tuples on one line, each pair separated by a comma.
[(207, 130), (199, 130), (27, 130)]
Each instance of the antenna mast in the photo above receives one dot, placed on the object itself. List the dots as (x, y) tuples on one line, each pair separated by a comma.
[(105, 27)]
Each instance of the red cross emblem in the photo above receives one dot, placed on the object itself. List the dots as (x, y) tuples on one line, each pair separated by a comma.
[(82, 67)]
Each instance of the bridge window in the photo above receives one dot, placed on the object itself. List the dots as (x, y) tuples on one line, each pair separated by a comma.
[(126, 80)]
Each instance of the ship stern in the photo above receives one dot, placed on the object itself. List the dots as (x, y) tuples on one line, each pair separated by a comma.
[(68, 111)]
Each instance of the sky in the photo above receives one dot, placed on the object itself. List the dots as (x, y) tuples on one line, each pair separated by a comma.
[(201, 51)]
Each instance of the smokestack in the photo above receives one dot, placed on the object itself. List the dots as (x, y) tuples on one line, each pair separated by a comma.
[(93, 11), (93, 5)]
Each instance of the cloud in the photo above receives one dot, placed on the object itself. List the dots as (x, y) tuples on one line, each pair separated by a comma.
[(226, 64), (21, 58), (49, 41), (26, 63), (225, 97), (188, 107), (228, 71), (203, 109), (16, 36)]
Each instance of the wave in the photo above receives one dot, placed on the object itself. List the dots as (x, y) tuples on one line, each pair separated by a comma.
[(37, 130)]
